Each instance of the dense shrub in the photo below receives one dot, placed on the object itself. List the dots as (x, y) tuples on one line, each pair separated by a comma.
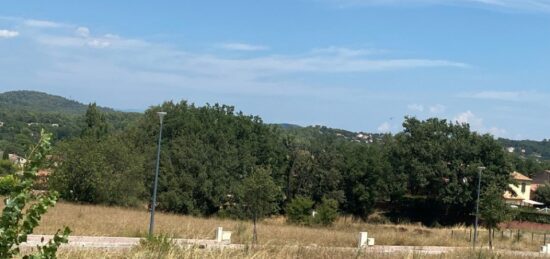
[(327, 212), (7, 184), (6, 167), (532, 216), (298, 211)]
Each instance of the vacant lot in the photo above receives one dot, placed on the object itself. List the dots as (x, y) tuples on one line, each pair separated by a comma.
[(113, 221)]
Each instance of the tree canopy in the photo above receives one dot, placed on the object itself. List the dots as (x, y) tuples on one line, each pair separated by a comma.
[(209, 152)]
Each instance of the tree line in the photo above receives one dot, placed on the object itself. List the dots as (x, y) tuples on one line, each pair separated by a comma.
[(213, 159)]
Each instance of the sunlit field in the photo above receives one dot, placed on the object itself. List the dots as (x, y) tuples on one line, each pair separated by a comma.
[(112, 221)]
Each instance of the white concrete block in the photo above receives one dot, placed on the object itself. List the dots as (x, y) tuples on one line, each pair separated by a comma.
[(362, 241), (219, 234), (370, 241), (226, 236)]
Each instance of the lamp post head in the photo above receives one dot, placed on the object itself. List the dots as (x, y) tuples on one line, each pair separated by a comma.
[(481, 168), (161, 114)]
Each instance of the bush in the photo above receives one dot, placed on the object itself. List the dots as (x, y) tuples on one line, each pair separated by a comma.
[(298, 211), (7, 183), (542, 194), (160, 244), (326, 213), (532, 216), (6, 167)]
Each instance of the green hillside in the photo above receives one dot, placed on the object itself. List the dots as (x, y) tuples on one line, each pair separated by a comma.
[(24, 113)]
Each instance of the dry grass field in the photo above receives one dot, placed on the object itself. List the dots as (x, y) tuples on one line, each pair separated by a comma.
[(285, 252), (112, 221)]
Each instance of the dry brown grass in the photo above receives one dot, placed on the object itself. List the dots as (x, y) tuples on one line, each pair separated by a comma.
[(281, 252), (111, 221)]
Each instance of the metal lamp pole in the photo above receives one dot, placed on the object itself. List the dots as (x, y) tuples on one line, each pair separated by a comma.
[(154, 201), (481, 168)]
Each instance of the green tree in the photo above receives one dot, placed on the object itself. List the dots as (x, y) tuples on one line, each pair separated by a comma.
[(493, 210), (206, 152), (440, 161), (298, 211), (106, 171), (542, 194), (96, 124), (23, 210), (7, 184), (327, 212), (258, 197)]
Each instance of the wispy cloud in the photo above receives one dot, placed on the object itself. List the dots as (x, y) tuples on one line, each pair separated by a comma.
[(514, 96), (477, 124), (416, 107), (384, 127), (437, 109), (72, 54), (342, 51), (242, 46), (8, 34), (43, 24)]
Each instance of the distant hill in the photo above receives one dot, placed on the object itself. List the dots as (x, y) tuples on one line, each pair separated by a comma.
[(309, 133), (42, 102), (539, 150), (24, 113), (528, 148)]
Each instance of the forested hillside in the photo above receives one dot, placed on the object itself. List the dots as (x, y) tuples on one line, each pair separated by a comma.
[(536, 149), (24, 113)]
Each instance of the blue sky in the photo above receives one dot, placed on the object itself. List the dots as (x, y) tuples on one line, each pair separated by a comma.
[(360, 65)]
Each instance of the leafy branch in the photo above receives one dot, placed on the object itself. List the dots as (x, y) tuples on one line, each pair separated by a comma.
[(18, 220)]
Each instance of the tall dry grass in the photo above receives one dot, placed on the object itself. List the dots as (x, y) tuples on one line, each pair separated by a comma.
[(112, 221), (284, 252)]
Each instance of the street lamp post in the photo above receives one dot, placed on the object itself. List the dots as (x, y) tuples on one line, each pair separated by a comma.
[(480, 169), (154, 200)]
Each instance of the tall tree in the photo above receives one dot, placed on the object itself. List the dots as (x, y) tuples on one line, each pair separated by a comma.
[(258, 197), (96, 124), (441, 159), (493, 210)]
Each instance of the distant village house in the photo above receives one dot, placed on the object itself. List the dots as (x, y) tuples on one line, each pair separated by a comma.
[(519, 192), (17, 160)]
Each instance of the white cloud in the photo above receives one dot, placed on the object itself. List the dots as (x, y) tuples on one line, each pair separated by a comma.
[(8, 34), (384, 127), (469, 117), (242, 46), (73, 54), (476, 123), (416, 107), (83, 32), (42, 24), (437, 109), (99, 43)]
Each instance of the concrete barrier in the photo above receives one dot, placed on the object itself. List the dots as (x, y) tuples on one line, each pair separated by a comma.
[(223, 236), (364, 240), (545, 249)]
